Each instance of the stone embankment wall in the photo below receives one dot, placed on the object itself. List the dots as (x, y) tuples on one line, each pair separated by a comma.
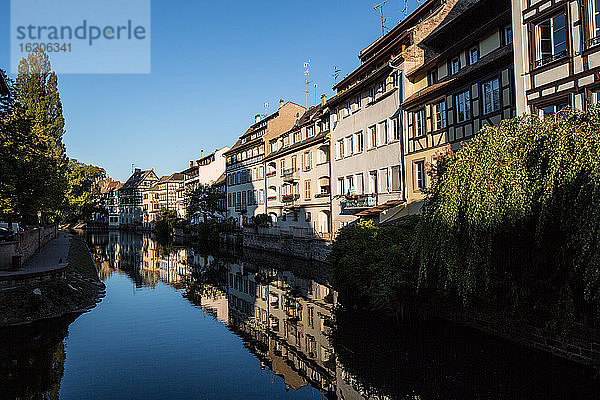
[(26, 244), (305, 248)]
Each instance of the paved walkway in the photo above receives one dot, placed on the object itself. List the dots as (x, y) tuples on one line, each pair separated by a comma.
[(52, 257)]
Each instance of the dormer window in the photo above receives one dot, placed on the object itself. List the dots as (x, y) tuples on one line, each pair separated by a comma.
[(432, 77), (473, 55), (454, 65)]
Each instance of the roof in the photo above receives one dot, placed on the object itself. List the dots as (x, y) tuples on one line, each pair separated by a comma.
[(176, 177), (4, 90), (240, 142), (137, 176), (222, 179), (308, 117), (489, 60), (385, 43), (373, 211)]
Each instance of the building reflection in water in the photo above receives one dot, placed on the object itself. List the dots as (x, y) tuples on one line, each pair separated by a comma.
[(284, 311)]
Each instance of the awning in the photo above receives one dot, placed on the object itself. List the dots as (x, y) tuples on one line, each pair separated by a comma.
[(373, 211), (324, 181)]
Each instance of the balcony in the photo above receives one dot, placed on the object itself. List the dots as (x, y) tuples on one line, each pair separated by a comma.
[(359, 201), (241, 208), (290, 174), (289, 198)]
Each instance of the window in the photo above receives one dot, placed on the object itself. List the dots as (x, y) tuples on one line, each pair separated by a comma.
[(432, 77), (454, 65), (360, 183), (396, 178), (594, 18), (381, 89), (350, 184), (356, 103), (384, 180), (307, 190), (421, 127), (261, 196), (310, 131), (554, 108), (396, 128), (341, 189), (473, 55), (507, 34), (341, 149), (294, 163), (308, 216), (551, 39), (243, 198), (307, 161), (395, 80), (372, 92), (359, 142), (463, 106), (373, 182), (491, 96), (373, 136), (383, 131), (297, 136), (419, 170), (281, 167), (440, 115)]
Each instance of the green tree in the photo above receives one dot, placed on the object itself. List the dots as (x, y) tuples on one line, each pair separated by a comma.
[(204, 202), (165, 221), (83, 192), (33, 161), (514, 217)]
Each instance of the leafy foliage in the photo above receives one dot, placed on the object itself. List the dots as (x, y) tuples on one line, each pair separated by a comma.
[(263, 220), (374, 261), (165, 222), (83, 192), (514, 217), (32, 156), (203, 203)]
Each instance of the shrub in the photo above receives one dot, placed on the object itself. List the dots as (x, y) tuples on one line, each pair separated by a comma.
[(514, 217), (373, 262)]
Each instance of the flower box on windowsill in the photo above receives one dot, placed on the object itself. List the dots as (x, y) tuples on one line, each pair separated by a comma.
[(271, 174), (288, 198), (272, 198)]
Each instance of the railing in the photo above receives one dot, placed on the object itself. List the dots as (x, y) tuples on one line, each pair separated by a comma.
[(241, 208), (293, 231), (594, 41), (549, 59), (319, 195), (360, 201), (289, 174)]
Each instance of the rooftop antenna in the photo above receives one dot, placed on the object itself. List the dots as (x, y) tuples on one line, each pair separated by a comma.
[(306, 81), (315, 94), (336, 74), (266, 110), (379, 7)]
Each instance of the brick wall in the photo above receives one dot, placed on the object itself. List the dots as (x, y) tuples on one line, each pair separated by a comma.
[(308, 249)]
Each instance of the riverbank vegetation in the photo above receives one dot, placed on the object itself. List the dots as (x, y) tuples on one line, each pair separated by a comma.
[(37, 179), (511, 220)]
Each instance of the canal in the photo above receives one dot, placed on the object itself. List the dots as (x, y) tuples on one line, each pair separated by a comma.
[(183, 322)]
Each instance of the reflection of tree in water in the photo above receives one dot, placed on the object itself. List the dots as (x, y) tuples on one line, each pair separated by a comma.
[(32, 359), (435, 360)]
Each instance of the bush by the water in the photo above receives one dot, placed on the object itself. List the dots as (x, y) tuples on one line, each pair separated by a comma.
[(512, 219), (374, 262)]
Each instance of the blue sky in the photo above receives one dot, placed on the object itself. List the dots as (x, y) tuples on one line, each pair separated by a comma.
[(214, 65)]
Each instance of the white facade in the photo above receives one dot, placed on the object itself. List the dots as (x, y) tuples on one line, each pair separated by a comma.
[(366, 146)]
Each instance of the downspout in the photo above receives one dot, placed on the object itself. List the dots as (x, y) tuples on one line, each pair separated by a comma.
[(400, 113)]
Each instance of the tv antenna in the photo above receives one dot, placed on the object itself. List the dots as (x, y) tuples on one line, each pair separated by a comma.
[(336, 74), (306, 76), (266, 110), (315, 94), (379, 8)]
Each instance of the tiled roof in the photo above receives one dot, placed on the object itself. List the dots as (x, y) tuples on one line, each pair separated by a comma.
[(136, 178)]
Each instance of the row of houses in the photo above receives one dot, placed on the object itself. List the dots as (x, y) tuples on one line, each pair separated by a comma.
[(429, 84), (139, 200)]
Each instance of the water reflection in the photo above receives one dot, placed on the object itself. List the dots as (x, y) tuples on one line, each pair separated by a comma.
[(287, 316)]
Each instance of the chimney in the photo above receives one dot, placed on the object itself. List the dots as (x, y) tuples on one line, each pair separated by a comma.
[(256, 118), (138, 170), (191, 163), (280, 103), (201, 153), (323, 99)]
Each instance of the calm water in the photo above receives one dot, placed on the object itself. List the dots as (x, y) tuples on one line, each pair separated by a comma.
[(181, 323)]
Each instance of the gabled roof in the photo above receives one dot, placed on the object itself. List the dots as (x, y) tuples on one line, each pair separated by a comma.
[(137, 177), (176, 177)]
